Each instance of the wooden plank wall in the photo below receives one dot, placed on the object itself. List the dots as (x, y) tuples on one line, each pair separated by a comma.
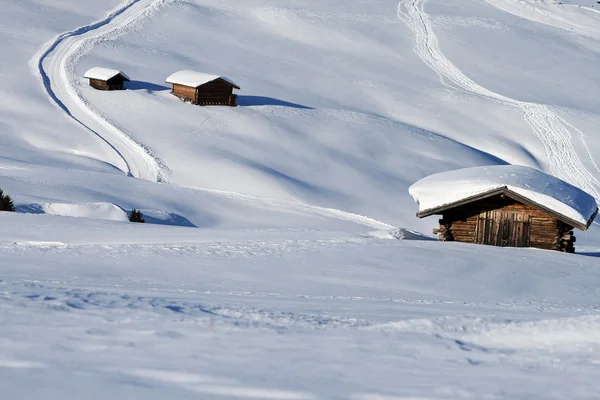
[(217, 92), (185, 92), (116, 83), (467, 224), (99, 84), (502, 228), (212, 93), (112, 84)]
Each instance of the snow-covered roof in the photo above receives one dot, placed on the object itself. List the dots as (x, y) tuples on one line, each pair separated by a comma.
[(195, 79), (104, 74), (446, 190)]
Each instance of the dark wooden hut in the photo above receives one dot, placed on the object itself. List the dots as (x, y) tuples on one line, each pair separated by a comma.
[(106, 79), (203, 89), (531, 209)]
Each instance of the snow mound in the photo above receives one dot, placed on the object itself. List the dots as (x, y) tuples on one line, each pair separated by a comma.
[(400, 234), (195, 79), (103, 74), (558, 196), (557, 334), (106, 211), (166, 218)]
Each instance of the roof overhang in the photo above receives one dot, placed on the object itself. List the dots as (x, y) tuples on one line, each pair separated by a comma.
[(515, 196), (105, 74), (195, 79)]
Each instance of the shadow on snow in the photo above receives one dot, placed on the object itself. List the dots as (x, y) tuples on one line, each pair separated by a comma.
[(141, 85), (247, 101)]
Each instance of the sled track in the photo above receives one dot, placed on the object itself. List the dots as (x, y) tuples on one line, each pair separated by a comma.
[(551, 129), (55, 65)]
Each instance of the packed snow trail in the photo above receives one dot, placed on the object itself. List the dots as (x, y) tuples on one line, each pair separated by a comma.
[(55, 64), (550, 128)]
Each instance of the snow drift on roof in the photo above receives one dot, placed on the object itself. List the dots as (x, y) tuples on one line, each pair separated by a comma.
[(447, 188), (103, 74), (195, 79)]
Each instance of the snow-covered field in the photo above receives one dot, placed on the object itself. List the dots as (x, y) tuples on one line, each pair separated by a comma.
[(269, 267)]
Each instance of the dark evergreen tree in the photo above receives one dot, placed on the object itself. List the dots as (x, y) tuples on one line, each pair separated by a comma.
[(136, 216), (6, 202)]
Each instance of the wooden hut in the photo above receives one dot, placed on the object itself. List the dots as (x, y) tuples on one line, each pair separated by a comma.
[(106, 78), (203, 89), (509, 206)]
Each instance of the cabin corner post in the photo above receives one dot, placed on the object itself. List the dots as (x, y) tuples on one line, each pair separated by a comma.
[(444, 232), (565, 239)]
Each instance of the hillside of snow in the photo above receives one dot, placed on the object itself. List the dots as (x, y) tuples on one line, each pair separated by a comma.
[(264, 269)]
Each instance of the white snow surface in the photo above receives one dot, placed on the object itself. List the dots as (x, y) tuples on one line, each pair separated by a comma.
[(138, 310), (194, 78), (103, 73), (105, 211), (269, 267), (449, 187)]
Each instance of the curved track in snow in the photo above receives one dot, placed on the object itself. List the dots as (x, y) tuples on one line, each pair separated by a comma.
[(551, 129), (55, 63)]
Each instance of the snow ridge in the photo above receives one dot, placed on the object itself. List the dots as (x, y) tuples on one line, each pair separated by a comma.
[(302, 207), (550, 128), (55, 63)]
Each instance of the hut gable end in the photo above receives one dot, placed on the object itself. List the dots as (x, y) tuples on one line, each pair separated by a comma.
[(203, 89), (500, 220), (106, 79), (505, 205), (491, 199), (497, 202), (185, 92)]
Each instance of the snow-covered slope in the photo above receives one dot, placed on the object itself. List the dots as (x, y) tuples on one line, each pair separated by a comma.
[(263, 217)]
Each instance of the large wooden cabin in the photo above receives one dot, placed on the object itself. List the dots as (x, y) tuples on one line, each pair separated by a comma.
[(508, 215), (106, 79), (203, 89)]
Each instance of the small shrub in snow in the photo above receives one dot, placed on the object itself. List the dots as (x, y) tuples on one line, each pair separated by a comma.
[(136, 216), (6, 202)]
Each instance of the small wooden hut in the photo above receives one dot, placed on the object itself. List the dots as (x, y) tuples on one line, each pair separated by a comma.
[(106, 78), (203, 89), (509, 206)]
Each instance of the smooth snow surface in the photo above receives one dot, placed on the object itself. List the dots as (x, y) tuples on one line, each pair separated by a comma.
[(103, 73), (89, 210), (194, 78), (269, 266), (116, 310), (450, 187)]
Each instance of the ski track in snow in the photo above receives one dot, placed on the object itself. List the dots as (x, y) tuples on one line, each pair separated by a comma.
[(550, 128), (67, 291), (76, 299), (55, 63)]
